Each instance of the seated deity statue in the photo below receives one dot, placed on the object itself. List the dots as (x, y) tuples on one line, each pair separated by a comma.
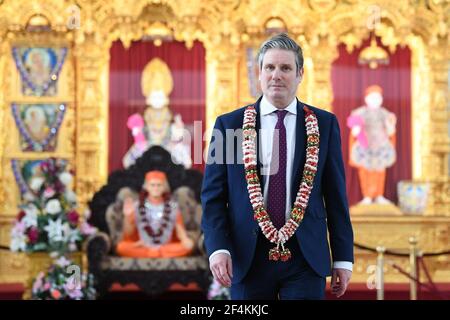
[(158, 125), (153, 226)]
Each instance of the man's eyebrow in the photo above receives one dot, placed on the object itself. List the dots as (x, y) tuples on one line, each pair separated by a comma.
[(282, 64)]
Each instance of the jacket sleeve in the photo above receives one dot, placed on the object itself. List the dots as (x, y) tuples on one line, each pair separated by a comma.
[(335, 197), (214, 194)]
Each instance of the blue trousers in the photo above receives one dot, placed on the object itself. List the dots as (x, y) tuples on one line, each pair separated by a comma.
[(273, 280)]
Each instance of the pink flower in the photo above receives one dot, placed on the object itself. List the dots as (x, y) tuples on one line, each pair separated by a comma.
[(86, 229), (37, 285), (49, 192), (33, 235), (73, 289), (75, 293), (19, 228), (38, 282), (73, 217), (47, 285)]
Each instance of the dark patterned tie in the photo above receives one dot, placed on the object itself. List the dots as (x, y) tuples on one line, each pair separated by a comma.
[(276, 198)]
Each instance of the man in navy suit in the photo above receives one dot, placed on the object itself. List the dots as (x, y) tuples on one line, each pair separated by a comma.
[(238, 222)]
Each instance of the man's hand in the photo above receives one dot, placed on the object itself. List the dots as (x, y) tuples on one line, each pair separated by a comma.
[(339, 281), (221, 268)]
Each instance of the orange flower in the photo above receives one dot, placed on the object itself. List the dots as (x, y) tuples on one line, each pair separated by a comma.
[(56, 294)]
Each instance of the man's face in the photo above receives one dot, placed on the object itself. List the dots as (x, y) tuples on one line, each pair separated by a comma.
[(279, 78), (155, 187)]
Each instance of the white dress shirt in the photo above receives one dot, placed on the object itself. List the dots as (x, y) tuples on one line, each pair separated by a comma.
[(269, 119)]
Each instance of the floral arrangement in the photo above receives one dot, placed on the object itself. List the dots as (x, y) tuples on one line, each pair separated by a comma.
[(48, 220), (218, 292), (62, 282)]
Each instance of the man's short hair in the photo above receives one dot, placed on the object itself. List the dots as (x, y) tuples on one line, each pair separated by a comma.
[(284, 42)]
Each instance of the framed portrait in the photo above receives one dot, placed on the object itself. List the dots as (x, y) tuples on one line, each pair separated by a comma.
[(39, 69), (38, 125), (29, 174)]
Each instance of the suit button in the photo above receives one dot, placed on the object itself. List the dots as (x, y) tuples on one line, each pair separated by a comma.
[(255, 232)]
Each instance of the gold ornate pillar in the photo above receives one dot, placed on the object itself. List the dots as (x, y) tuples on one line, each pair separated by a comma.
[(325, 49), (92, 116), (221, 73), (2, 113), (435, 166)]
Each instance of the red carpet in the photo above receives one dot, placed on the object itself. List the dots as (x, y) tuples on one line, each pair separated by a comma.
[(356, 291)]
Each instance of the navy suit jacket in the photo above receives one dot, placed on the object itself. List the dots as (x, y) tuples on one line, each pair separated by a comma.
[(227, 220)]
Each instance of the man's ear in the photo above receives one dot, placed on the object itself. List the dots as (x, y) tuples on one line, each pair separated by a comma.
[(300, 73)]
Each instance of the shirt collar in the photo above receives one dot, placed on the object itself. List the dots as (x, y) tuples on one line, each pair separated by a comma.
[(266, 107)]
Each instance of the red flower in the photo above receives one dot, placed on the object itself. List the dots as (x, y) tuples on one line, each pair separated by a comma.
[(274, 254), (21, 215), (33, 235), (56, 294), (285, 255), (73, 217)]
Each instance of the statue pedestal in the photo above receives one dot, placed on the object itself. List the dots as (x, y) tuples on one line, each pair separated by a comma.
[(41, 261), (375, 210), (393, 233)]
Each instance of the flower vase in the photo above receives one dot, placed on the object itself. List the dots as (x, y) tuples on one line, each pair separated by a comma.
[(41, 261)]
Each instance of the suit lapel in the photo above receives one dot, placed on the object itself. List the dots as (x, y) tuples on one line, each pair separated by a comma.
[(300, 151)]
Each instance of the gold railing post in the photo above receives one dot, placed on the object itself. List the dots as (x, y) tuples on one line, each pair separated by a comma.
[(380, 273), (413, 266)]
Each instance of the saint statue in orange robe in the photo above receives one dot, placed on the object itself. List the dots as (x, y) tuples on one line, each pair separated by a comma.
[(372, 145), (153, 227)]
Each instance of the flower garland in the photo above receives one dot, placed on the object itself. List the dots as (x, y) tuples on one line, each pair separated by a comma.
[(160, 234), (254, 187)]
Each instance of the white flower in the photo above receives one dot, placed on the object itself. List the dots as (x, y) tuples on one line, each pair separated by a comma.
[(62, 262), (72, 247), (18, 243), (53, 206), (54, 254), (70, 235), (18, 237), (36, 183), (65, 178), (54, 230), (87, 214), (30, 218), (71, 196), (28, 196)]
